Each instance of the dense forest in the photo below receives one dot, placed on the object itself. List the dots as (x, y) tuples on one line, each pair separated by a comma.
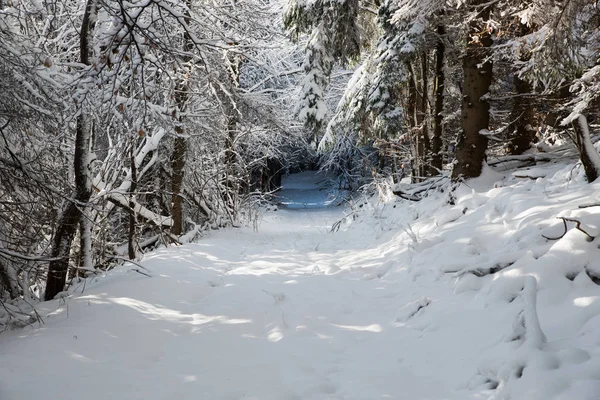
[(299, 199), (129, 125)]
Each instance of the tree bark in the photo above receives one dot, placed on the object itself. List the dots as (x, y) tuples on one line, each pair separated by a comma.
[(233, 185), (411, 119), (230, 156), (180, 143), (132, 189), (178, 165), (425, 169), (587, 152), (8, 280), (85, 241), (411, 105), (436, 141), (71, 215), (477, 70), (523, 133)]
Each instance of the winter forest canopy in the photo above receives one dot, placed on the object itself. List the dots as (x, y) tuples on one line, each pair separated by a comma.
[(126, 126)]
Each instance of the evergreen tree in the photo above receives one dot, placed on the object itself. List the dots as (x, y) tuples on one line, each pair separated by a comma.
[(333, 38)]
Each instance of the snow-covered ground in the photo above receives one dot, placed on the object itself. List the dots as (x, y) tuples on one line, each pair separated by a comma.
[(309, 190), (406, 300)]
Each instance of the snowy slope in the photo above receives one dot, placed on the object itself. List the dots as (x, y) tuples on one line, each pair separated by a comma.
[(406, 301)]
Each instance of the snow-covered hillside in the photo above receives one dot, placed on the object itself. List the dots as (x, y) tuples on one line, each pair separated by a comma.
[(438, 299)]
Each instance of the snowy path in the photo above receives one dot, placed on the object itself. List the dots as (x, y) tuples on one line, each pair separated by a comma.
[(289, 312), (308, 190), (240, 315)]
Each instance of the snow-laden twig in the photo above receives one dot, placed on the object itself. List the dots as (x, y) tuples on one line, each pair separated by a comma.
[(578, 226)]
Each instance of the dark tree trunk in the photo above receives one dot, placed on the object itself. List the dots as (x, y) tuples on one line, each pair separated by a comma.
[(70, 216), (131, 236), (523, 113), (411, 105), (178, 165), (231, 157), (7, 282), (436, 141), (180, 142), (423, 120), (273, 173), (524, 133), (477, 69), (85, 243)]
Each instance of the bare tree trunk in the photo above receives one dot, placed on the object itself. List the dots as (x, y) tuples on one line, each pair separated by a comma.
[(436, 141), (231, 158), (424, 139), (587, 152), (132, 189), (71, 214), (523, 112), (85, 241), (232, 172), (477, 69), (178, 165), (411, 119), (8, 280), (180, 143)]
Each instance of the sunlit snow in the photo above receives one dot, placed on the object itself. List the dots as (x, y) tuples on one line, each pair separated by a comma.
[(415, 301)]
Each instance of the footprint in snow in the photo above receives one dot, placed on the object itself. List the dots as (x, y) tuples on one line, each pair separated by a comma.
[(218, 283), (278, 297), (411, 309)]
